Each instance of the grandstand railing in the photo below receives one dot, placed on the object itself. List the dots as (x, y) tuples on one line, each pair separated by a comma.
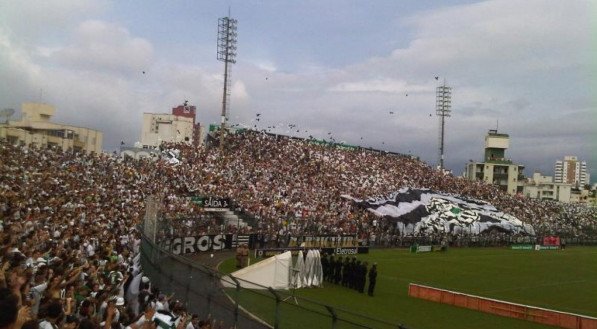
[(202, 290)]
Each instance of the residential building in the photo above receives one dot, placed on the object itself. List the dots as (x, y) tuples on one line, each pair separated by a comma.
[(36, 129), (177, 127), (580, 196), (496, 169), (544, 188), (572, 171)]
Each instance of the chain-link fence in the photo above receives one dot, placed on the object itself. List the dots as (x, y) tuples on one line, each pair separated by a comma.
[(195, 285), (203, 290)]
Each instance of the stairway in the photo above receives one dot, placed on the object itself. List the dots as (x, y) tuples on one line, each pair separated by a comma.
[(230, 218)]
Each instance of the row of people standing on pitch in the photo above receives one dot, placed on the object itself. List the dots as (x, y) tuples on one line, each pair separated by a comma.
[(350, 273)]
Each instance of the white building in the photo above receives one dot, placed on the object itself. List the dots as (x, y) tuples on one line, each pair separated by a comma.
[(543, 187), (572, 171), (161, 127), (496, 169), (36, 129)]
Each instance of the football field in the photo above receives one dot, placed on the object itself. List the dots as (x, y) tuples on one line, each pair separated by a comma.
[(562, 280)]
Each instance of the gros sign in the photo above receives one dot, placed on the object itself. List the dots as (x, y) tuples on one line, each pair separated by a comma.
[(194, 244)]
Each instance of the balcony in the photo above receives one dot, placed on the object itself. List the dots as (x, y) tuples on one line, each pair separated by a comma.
[(499, 161)]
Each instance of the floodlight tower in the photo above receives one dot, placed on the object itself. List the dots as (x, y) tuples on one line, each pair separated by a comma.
[(443, 103), (227, 54)]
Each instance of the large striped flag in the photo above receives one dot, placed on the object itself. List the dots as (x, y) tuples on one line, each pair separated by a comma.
[(423, 211), (165, 320)]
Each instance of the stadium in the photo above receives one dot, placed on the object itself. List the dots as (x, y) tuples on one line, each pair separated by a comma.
[(160, 235), (322, 198)]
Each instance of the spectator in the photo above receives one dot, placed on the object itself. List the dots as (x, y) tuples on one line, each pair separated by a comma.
[(54, 316), (68, 221), (9, 305)]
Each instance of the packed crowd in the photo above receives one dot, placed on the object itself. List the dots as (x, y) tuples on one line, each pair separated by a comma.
[(69, 247), (295, 187), (68, 221)]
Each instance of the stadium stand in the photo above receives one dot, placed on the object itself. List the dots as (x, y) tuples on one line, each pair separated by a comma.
[(68, 221)]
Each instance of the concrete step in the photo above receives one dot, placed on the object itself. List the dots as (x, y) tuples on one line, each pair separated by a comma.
[(232, 219)]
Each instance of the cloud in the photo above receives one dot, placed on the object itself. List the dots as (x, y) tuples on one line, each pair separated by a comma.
[(526, 64), (533, 33), (107, 47), (30, 22), (266, 66), (95, 79), (385, 85)]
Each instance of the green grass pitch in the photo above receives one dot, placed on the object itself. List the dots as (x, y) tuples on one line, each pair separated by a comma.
[(562, 280)]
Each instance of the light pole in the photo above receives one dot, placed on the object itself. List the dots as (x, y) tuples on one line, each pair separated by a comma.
[(227, 54), (443, 103)]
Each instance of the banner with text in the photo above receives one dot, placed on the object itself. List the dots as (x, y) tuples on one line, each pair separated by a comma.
[(324, 241), (342, 251), (211, 202), (195, 244)]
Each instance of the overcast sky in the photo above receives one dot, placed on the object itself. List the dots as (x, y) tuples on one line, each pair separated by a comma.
[(326, 66)]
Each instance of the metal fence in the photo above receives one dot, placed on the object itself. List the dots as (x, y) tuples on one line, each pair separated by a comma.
[(202, 289)]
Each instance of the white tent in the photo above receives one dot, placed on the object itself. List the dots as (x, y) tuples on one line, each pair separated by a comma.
[(299, 271), (317, 269), (309, 261), (271, 272), (310, 272)]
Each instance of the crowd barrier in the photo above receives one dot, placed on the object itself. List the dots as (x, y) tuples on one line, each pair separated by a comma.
[(502, 308)]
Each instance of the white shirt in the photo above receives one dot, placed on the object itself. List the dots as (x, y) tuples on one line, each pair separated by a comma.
[(37, 292), (102, 309), (159, 306), (46, 325), (90, 250)]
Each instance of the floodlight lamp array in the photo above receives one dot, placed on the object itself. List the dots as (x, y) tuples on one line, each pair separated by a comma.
[(227, 38), (443, 101)]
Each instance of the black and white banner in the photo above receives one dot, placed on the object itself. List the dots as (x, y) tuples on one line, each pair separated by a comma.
[(342, 251), (241, 239), (323, 241), (195, 244), (423, 211)]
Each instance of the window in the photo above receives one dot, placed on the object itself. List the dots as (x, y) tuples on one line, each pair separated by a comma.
[(56, 133), (12, 139)]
